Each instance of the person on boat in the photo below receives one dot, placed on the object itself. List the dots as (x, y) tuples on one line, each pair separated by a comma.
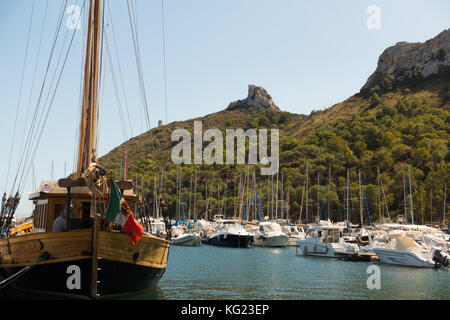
[(60, 223)]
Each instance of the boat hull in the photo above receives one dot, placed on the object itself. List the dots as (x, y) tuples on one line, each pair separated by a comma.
[(402, 258), (123, 268), (292, 242), (324, 250), (187, 240), (231, 240), (275, 241), (115, 278)]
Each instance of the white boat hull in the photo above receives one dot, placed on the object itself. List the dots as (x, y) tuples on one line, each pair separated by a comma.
[(273, 241), (330, 250), (187, 240), (292, 242), (403, 258)]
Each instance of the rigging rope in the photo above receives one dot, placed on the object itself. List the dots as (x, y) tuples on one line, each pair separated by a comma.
[(164, 57), (134, 33), (20, 94), (31, 131), (49, 107)]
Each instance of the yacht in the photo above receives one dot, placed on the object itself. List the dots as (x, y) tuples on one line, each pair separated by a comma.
[(405, 251), (229, 233), (326, 241), (270, 234)]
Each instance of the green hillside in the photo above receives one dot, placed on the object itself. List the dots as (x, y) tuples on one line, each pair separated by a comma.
[(390, 127)]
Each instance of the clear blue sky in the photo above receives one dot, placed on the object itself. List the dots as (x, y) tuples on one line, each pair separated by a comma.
[(308, 55)]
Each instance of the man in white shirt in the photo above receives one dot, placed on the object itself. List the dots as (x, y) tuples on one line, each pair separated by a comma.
[(60, 223)]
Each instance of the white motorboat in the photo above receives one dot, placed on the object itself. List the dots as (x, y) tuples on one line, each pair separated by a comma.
[(405, 251), (270, 235), (294, 233), (157, 228), (326, 241), (229, 233), (182, 238)]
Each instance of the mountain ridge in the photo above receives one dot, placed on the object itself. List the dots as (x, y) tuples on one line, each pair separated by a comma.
[(394, 124)]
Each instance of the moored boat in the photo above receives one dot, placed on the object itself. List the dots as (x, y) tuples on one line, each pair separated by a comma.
[(270, 235), (326, 241), (404, 251), (229, 233), (87, 255)]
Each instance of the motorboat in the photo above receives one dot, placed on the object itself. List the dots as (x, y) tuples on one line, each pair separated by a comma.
[(157, 228), (270, 234), (405, 251), (294, 233), (326, 241), (229, 233), (181, 237)]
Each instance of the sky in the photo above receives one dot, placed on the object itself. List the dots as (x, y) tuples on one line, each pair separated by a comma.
[(308, 55)]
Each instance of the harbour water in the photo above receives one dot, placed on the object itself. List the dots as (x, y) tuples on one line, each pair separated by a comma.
[(216, 273)]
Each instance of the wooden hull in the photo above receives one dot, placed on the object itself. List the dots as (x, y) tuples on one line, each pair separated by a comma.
[(123, 268)]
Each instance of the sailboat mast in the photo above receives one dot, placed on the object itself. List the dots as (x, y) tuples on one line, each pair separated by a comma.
[(348, 191), (318, 198), (307, 191), (379, 194), (445, 203), (410, 195), (404, 197), (360, 200), (89, 111)]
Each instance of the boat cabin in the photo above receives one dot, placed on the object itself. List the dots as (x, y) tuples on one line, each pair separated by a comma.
[(327, 234), (50, 200)]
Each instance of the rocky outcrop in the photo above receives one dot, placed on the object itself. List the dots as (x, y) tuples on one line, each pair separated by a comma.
[(257, 97), (408, 60)]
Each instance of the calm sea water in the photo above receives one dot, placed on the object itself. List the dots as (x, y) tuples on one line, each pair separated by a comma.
[(216, 273)]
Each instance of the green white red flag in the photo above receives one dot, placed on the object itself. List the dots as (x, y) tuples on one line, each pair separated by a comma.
[(119, 212)]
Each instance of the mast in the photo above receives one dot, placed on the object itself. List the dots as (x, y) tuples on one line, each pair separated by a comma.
[(360, 200), (445, 203), (301, 204), (404, 197), (89, 111), (318, 198), (276, 199), (195, 191), (348, 191), (329, 191), (379, 194), (410, 195), (307, 190)]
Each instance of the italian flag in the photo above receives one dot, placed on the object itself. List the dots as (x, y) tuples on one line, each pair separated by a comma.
[(119, 212)]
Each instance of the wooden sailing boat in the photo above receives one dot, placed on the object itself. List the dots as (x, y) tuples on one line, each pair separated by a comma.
[(89, 260)]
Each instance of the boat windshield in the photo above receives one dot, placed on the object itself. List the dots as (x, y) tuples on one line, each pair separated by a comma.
[(331, 235)]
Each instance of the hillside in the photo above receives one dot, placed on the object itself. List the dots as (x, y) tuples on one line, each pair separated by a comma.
[(398, 119)]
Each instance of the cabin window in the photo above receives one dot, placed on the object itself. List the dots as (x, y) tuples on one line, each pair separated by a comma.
[(40, 216)]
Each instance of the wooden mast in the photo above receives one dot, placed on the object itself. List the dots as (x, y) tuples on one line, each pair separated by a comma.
[(86, 149)]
